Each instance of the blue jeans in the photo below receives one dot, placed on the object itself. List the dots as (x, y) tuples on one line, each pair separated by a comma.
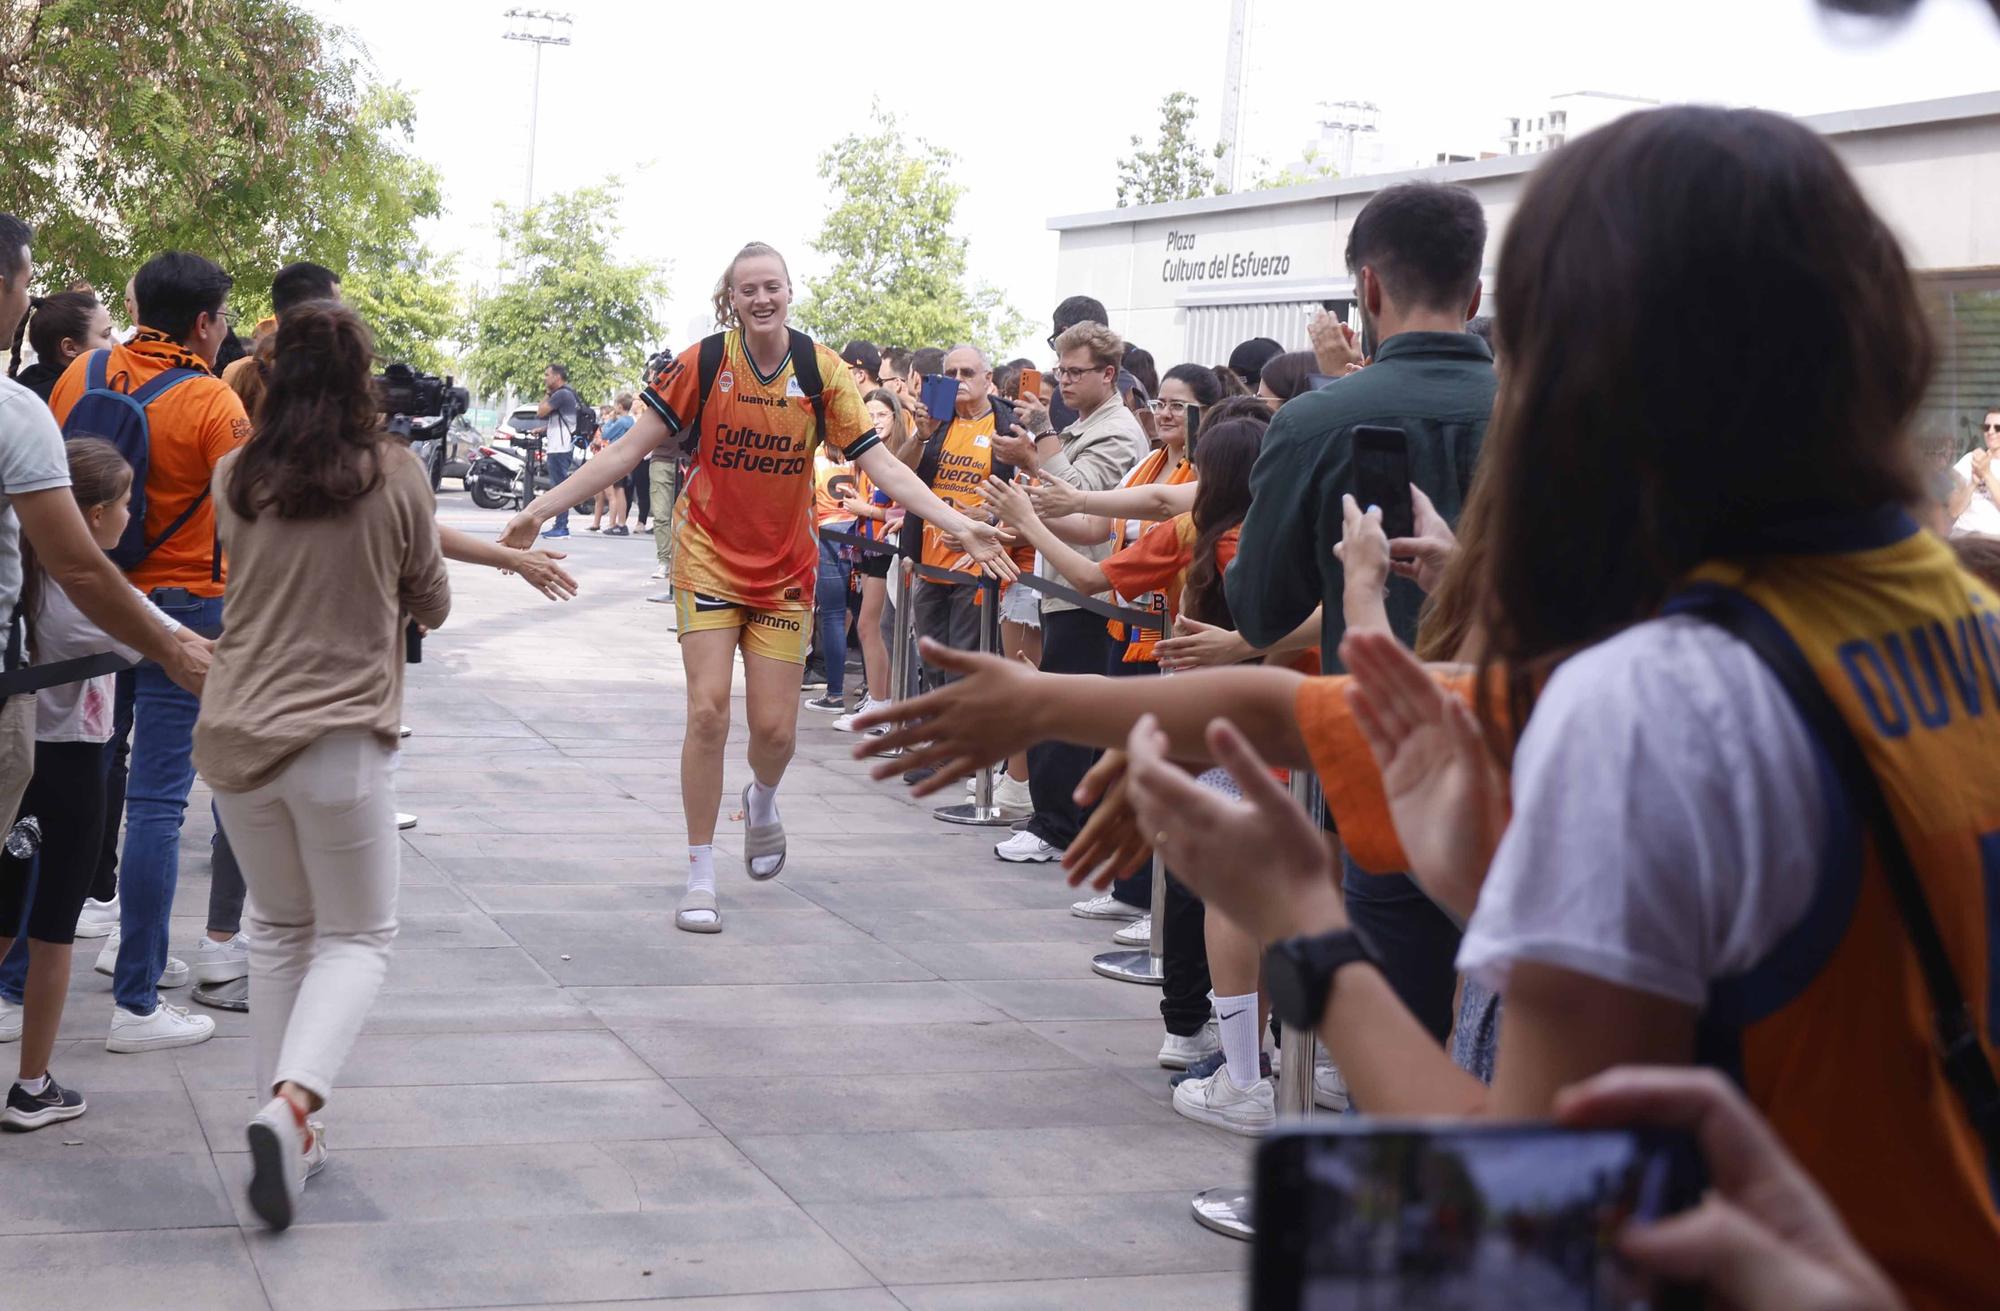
[(558, 470), (830, 617), (156, 794), (1415, 943)]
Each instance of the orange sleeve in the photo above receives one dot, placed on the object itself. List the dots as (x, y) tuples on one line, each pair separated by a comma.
[(1150, 564), (1347, 773), (225, 427)]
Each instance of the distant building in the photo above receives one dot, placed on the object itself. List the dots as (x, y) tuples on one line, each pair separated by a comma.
[(1568, 115)]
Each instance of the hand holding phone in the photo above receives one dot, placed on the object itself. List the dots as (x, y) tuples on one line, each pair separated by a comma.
[(1031, 384), (1382, 477), (940, 396)]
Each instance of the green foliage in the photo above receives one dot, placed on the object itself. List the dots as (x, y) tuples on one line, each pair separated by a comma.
[(1312, 168), (565, 300), (899, 271), (1175, 168), (239, 129)]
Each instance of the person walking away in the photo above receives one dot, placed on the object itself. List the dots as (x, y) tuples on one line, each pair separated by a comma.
[(60, 328), (1415, 251), (1092, 454), (331, 526), (747, 558), (66, 797), (173, 555)]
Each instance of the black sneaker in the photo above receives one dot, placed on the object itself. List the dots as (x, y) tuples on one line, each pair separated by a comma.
[(27, 1112), (919, 774), (813, 677), (834, 705)]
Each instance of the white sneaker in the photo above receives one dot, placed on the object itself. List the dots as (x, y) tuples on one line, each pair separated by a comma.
[(1024, 848), (658, 575), (10, 1021), (98, 919), (281, 1160), (1215, 1100), (1139, 933), (1329, 1088), (1104, 906), (845, 723), (167, 1026), (221, 962), (1011, 795), (1177, 1053), (174, 976)]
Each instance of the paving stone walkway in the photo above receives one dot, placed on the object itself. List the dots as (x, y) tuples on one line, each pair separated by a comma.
[(892, 1082)]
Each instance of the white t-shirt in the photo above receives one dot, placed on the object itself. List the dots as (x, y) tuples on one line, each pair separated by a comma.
[(32, 459), (77, 712), (1668, 819), (1981, 514)]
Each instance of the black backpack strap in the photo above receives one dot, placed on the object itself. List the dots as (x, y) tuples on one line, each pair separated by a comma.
[(1957, 1037), (180, 522), (805, 367), (708, 366)]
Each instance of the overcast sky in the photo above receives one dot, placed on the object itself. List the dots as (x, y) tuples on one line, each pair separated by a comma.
[(713, 115)]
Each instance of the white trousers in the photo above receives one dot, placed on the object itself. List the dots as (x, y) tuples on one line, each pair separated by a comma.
[(320, 856)]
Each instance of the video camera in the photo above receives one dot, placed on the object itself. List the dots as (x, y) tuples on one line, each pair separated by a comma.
[(429, 402)]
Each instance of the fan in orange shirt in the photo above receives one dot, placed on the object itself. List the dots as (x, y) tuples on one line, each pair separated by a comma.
[(746, 554)]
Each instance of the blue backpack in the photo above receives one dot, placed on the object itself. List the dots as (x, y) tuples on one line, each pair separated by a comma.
[(119, 417)]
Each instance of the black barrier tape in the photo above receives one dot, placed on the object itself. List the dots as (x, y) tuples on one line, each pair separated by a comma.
[(36, 677), (1118, 613)]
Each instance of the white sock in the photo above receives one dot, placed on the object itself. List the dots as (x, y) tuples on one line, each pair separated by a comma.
[(33, 1087), (763, 804), (1237, 1019), (701, 878)]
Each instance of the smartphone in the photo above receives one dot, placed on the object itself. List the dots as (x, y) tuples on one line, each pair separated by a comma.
[(1191, 418), (1031, 383), (1409, 1214), (940, 396), (1382, 477)]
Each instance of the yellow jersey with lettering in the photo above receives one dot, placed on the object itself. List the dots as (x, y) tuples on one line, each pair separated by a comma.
[(1831, 1033), (965, 460), (744, 529)]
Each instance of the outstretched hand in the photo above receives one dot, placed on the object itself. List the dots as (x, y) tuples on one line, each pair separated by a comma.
[(959, 728), (521, 531), (539, 570), (1009, 500), (1111, 845), (1260, 862), (1424, 556)]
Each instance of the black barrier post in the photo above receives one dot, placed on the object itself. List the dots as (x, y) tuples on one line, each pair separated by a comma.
[(980, 811)]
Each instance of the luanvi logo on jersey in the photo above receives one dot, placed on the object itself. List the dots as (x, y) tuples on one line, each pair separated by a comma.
[(726, 381)]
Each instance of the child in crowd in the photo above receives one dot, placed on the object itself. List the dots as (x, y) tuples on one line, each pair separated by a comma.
[(66, 797)]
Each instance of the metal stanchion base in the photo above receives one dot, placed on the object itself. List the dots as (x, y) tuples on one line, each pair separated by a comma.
[(1226, 1211), (1131, 967), (971, 812), (406, 821), (231, 996)]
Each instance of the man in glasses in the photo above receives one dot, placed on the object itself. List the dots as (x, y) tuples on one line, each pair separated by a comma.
[(183, 317), (1092, 452), (1982, 515)]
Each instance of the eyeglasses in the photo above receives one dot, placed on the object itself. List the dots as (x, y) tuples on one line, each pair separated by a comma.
[(1993, 427), (1169, 407), (966, 374), (1071, 375)]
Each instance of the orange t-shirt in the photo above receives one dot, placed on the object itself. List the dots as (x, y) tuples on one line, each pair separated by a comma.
[(744, 528), (832, 482), (965, 461), (1139, 649), (1156, 566), (189, 430)]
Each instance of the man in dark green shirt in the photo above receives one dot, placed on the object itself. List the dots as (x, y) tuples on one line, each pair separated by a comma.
[(1415, 252)]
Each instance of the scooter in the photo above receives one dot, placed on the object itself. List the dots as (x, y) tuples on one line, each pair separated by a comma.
[(495, 479)]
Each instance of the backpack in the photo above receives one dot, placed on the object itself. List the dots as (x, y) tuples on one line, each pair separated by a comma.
[(805, 371), (586, 423), (119, 417)]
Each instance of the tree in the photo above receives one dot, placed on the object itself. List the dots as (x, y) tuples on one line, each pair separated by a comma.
[(135, 126), (565, 299), (1175, 168), (1311, 167), (899, 271)]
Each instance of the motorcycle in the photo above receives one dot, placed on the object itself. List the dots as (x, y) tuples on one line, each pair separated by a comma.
[(495, 480)]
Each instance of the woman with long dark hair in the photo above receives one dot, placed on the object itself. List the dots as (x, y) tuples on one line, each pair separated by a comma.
[(333, 548), (60, 328)]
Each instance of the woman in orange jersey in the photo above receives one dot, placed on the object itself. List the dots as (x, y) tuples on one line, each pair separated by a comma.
[(1752, 815), (875, 517), (749, 406)]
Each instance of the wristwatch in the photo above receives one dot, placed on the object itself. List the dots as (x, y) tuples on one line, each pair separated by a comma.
[(1299, 972)]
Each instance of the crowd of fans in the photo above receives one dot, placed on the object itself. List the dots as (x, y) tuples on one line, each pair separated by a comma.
[(1654, 743)]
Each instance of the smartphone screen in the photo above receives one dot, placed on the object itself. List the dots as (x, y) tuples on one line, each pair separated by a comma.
[(1382, 477), (1191, 416), (1407, 1215), (940, 396)]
